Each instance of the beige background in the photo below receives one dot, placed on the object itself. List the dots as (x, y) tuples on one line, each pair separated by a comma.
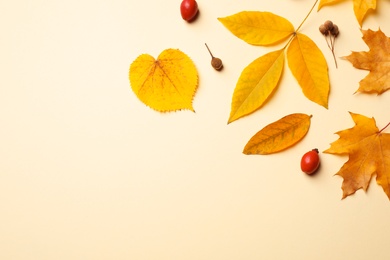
[(89, 172)]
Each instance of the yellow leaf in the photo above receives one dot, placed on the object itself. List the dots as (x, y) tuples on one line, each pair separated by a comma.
[(166, 84), (258, 28), (279, 135), (360, 7), (369, 154), (256, 83), (309, 67), (327, 2)]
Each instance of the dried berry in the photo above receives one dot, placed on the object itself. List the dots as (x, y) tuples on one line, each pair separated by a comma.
[(328, 25), (323, 29), (335, 31), (216, 63), (330, 31)]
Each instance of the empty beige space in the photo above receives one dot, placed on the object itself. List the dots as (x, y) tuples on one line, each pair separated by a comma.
[(89, 172)]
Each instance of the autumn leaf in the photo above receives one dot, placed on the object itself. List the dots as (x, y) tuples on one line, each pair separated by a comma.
[(256, 83), (279, 135), (166, 84), (376, 60), (260, 78), (258, 28), (309, 67), (369, 154), (360, 7)]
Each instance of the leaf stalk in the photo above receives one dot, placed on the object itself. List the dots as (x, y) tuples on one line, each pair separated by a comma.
[(295, 33), (380, 131), (315, 3)]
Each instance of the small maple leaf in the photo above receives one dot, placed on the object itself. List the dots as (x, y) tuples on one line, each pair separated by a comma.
[(369, 154), (376, 60), (166, 84), (360, 7)]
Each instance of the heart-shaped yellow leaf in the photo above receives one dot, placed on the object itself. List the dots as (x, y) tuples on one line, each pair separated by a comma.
[(258, 28), (279, 135), (166, 84), (309, 67), (256, 83)]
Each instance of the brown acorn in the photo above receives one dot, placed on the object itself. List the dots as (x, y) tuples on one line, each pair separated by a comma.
[(216, 63)]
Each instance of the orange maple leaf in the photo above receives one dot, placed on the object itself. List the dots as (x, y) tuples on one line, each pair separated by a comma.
[(369, 154), (376, 60)]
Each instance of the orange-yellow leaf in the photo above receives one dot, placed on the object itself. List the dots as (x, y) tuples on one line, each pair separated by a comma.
[(279, 135), (376, 60), (309, 67), (369, 154), (166, 84), (360, 7), (258, 28), (327, 2), (256, 83)]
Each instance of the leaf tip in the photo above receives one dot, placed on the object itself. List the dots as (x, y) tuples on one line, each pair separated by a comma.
[(232, 118)]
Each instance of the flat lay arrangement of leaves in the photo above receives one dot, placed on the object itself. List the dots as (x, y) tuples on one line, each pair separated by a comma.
[(261, 77), (169, 83)]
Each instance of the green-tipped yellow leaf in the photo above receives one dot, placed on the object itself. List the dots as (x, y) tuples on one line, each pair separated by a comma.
[(258, 28), (279, 135), (166, 84), (256, 83), (309, 67)]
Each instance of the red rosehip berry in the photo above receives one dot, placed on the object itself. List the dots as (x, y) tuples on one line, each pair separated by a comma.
[(188, 9), (310, 162)]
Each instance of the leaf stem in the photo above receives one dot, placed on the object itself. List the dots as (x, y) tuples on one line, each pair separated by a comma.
[(330, 43), (334, 56), (209, 50), (289, 40), (380, 131), (307, 15)]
